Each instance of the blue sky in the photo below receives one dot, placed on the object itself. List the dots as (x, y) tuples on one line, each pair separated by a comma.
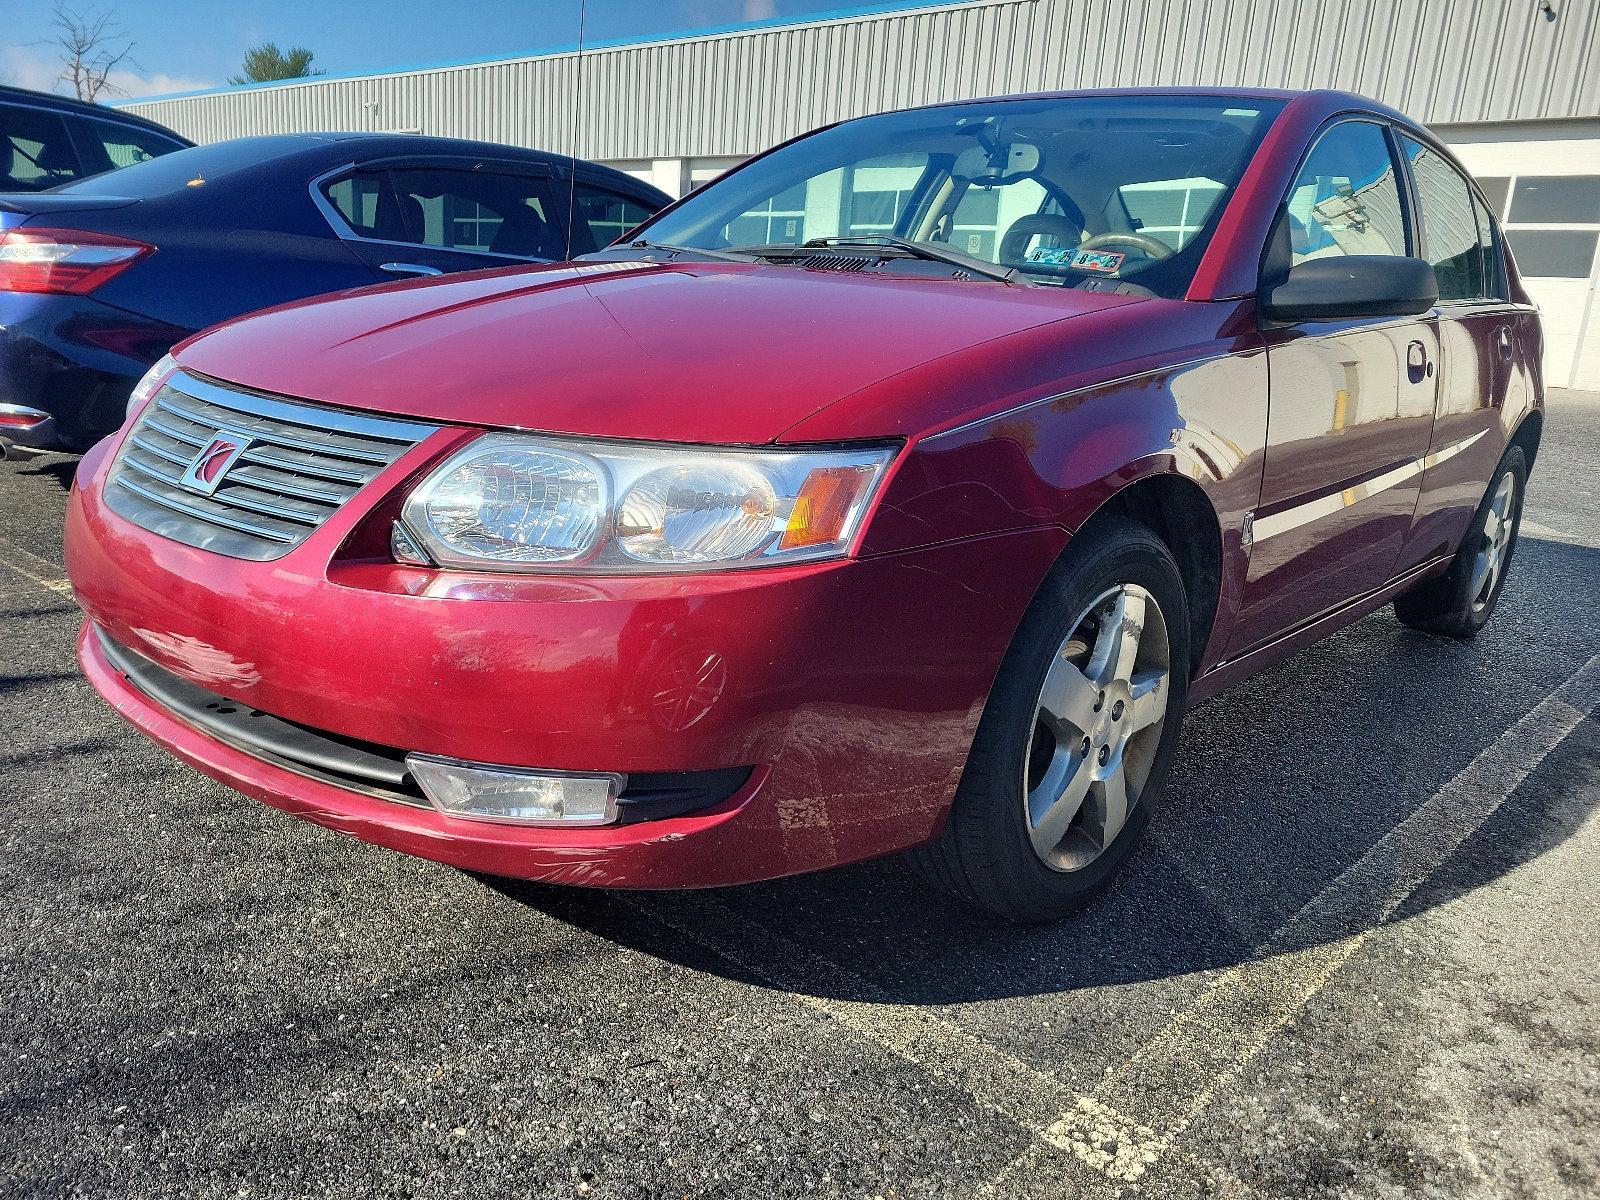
[(185, 44)]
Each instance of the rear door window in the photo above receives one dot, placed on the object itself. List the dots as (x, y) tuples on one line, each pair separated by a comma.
[(484, 212), (1450, 237), (36, 151)]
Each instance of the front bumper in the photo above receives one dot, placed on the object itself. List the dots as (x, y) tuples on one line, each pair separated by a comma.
[(852, 689)]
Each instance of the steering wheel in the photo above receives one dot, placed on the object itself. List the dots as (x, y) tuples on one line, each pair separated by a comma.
[(1142, 242), (1014, 246)]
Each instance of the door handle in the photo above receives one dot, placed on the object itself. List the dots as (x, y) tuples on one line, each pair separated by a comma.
[(410, 269), (1417, 365)]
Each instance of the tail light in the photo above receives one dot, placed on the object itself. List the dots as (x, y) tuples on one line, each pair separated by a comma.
[(68, 262)]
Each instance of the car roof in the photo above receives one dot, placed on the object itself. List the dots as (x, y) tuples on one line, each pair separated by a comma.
[(240, 162), (71, 104), (1326, 96), (340, 146)]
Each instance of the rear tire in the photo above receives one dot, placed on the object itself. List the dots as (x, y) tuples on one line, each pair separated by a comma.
[(1458, 603), (1075, 741)]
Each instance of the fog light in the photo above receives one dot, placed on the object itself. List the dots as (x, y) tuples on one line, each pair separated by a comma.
[(515, 796)]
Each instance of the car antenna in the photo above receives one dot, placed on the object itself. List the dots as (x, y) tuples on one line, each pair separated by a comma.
[(572, 141)]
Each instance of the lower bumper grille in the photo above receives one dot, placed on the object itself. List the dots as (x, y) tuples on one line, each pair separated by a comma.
[(281, 468), (367, 767)]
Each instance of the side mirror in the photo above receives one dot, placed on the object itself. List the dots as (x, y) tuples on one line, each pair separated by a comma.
[(1353, 285)]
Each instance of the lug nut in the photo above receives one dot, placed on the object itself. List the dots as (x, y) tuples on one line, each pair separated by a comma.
[(1105, 753), (1116, 711), (1100, 703), (1086, 745)]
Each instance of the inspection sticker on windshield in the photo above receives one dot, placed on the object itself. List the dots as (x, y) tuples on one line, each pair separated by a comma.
[(1055, 256), (1104, 261)]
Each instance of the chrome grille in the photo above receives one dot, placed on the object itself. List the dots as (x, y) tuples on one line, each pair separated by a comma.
[(302, 463)]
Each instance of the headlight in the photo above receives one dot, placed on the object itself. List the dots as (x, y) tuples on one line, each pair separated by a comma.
[(516, 502), (151, 383)]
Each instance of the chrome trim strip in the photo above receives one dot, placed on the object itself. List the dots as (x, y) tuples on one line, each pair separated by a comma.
[(188, 510), (354, 478), (176, 435), (150, 448), (244, 474), (240, 474), (1291, 519), (310, 416), (233, 499), (278, 439)]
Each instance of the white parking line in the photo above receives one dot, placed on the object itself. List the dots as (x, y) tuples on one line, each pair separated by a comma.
[(1099, 1142), (1205, 1048), (995, 1080), (33, 568)]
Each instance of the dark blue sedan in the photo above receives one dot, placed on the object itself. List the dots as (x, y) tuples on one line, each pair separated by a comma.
[(100, 278)]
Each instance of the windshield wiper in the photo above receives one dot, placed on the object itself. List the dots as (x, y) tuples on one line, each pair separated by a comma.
[(924, 250), (692, 251)]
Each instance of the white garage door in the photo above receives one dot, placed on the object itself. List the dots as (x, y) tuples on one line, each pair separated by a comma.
[(1546, 192)]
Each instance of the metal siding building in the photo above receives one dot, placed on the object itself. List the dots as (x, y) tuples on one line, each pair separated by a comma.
[(1514, 85)]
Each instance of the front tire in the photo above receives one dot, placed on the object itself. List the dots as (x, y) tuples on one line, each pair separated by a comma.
[(1078, 733), (1458, 603)]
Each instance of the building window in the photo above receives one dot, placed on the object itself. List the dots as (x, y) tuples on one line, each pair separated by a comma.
[(1551, 222)]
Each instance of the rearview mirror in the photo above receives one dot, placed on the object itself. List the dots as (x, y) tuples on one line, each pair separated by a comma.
[(1004, 164), (1353, 285)]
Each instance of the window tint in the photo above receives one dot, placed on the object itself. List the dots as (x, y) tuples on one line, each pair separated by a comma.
[(1449, 227), (1494, 276), (368, 206), (35, 151), (478, 210), (1346, 200), (606, 215), (1556, 200), (124, 145), (1554, 253)]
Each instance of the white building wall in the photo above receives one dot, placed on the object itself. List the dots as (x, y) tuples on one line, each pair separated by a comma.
[(1570, 308), (1514, 85)]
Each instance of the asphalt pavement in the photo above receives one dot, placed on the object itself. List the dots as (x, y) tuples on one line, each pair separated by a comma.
[(1357, 956)]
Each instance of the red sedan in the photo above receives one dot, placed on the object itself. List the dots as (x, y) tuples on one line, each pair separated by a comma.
[(900, 489)]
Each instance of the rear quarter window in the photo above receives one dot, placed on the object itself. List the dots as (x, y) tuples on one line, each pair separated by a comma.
[(109, 145), (36, 152)]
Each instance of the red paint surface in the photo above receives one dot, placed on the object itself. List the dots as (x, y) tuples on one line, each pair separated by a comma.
[(853, 687)]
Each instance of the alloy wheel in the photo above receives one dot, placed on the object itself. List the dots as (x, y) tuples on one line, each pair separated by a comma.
[(1499, 524), (1097, 724)]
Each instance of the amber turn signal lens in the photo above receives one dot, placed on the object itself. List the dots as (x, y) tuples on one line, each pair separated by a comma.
[(823, 508)]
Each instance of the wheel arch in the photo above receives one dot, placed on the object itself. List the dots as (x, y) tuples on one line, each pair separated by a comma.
[(1177, 510), (1528, 433)]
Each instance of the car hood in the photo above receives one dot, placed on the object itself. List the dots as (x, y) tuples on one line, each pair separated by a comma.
[(719, 352)]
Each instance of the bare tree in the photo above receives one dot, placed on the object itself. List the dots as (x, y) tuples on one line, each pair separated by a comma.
[(92, 46)]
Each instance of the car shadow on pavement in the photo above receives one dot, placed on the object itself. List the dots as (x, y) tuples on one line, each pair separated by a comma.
[(1279, 787), (60, 467)]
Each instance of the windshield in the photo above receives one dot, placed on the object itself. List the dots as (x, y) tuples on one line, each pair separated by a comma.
[(1064, 190)]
